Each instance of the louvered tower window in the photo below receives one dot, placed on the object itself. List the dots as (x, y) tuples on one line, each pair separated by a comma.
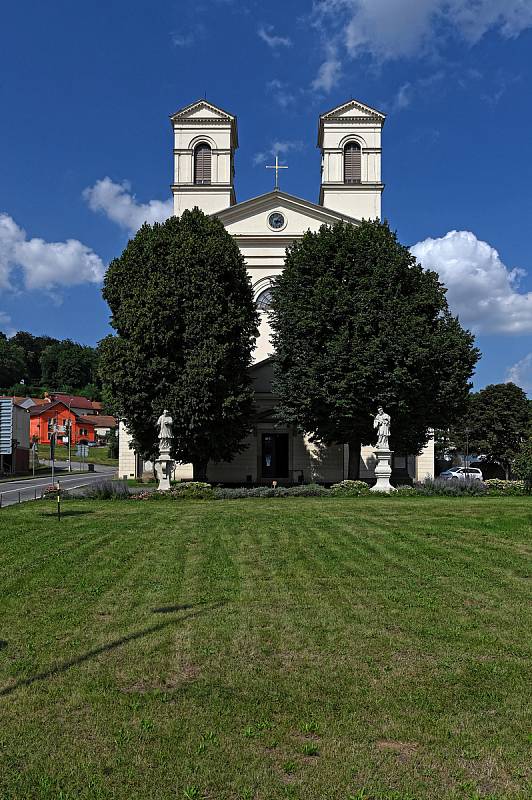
[(202, 164), (352, 163)]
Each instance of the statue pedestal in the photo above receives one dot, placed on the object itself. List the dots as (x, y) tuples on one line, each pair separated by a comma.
[(383, 471), (164, 466)]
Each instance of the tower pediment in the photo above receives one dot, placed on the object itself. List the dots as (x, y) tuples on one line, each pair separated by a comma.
[(353, 108), (201, 109)]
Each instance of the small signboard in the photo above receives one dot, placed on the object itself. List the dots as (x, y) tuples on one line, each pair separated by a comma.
[(6, 426), (82, 450)]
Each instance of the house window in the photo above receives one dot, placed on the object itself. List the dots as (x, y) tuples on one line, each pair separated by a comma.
[(352, 163), (202, 164)]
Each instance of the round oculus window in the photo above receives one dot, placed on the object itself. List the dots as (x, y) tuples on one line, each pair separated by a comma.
[(276, 221)]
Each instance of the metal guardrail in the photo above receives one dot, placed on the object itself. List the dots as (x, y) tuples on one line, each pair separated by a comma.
[(40, 491)]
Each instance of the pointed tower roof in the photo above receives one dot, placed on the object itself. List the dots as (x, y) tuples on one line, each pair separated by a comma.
[(202, 112), (347, 113)]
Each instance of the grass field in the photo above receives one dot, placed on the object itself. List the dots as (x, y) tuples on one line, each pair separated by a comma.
[(97, 455), (321, 649)]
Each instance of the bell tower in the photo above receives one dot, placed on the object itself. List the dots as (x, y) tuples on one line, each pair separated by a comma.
[(205, 140), (349, 137)]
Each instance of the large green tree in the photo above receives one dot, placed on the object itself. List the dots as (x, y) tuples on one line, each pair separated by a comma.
[(67, 365), (182, 307), (358, 322), (33, 347), (497, 421), (12, 362)]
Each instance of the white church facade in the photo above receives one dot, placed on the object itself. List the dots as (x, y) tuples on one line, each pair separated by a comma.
[(205, 140)]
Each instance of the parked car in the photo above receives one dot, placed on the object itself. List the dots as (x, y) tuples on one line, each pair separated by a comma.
[(462, 474)]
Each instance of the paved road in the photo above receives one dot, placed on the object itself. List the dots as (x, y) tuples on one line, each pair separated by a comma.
[(20, 491)]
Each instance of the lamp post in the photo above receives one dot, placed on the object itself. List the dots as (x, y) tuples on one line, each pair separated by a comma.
[(467, 431), (69, 435)]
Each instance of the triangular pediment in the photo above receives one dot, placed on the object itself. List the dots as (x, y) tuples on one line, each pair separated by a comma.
[(353, 108), (201, 109), (251, 217)]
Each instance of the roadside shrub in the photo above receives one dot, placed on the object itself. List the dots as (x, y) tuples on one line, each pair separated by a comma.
[(240, 493), (107, 490), (191, 490), (451, 488), (406, 491), (497, 486), (522, 465), (350, 489)]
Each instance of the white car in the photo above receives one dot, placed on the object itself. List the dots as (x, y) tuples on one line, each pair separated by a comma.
[(462, 474)]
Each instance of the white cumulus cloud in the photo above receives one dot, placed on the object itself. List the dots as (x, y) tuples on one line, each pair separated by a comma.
[(521, 373), (392, 29), (118, 203), (45, 265), (482, 291)]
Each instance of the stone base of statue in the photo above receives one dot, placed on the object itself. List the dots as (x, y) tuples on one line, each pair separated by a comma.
[(383, 471), (164, 467)]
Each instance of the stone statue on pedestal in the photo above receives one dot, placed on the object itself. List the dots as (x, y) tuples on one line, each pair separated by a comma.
[(383, 468), (382, 423), (164, 465), (165, 423)]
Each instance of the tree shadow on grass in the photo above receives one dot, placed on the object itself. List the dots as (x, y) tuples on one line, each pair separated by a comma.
[(74, 512), (58, 669)]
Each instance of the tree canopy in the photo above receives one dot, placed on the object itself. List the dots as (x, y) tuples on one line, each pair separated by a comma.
[(12, 362), (43, 362), (497, 419), (358, 322), (182, 307)]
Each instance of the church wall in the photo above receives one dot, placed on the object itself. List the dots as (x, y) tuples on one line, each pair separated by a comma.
[(425, 462), (236, 471), (361, 205), (209, 201)]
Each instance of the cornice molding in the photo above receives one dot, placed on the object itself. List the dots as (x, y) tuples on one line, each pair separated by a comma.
[(189, 151), (279, 200), (352, 187), (201, 187)]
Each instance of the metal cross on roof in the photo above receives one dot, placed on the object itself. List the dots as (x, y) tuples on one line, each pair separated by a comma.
[(277, 167)]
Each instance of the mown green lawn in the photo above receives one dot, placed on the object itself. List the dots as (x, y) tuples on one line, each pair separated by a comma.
[(321, 649)]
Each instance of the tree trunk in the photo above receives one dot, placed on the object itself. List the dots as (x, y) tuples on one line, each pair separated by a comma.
[(353, 469), (507, 471), (199, 471)]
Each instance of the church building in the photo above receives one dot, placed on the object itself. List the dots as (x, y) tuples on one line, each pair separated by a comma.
[(205, 140)]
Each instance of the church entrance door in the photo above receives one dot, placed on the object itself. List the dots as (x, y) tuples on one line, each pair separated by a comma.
[(274, 460)]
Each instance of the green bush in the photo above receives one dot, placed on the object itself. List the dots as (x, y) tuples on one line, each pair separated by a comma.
[(107, 490), (240, 493), (350, 489), (451, 488), (191, 490), (522, 465), (497, 486), (406, 491)]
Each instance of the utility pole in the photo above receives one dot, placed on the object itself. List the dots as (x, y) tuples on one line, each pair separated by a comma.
[(467, 432), (69, 435)]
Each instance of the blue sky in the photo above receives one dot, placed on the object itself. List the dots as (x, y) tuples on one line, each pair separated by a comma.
[(86, 91)]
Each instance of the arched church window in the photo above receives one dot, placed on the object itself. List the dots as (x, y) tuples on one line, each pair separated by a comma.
[(202, 164), (352, 163), (264, 300)]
